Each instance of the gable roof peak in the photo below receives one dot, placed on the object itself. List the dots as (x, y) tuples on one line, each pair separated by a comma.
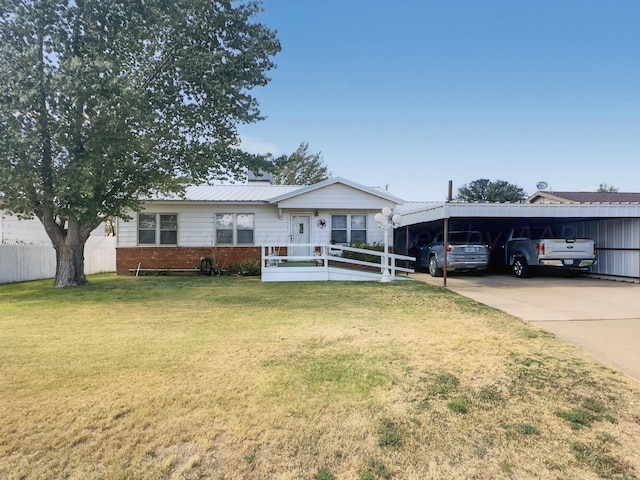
[(337, 180)]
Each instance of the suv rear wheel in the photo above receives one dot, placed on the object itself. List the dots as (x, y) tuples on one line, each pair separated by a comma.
[(434, 271)]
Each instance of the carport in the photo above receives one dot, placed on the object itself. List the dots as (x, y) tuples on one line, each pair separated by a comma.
[(615, 227)]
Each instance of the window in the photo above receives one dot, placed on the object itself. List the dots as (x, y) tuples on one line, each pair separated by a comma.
[(339, 229), (168, 229), (358, 229), (157, 226), (244, 224), (224, 229), (234, 229), (348, 229)]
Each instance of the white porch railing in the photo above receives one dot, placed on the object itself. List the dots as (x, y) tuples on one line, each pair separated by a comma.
[(326, 262)]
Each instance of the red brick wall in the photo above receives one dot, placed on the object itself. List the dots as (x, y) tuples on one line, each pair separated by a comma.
[(181, 257)]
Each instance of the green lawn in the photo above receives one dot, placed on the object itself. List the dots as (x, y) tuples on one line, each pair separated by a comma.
[(230, 378)]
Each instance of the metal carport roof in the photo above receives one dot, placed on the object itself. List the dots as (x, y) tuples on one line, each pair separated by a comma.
[(419, 213)]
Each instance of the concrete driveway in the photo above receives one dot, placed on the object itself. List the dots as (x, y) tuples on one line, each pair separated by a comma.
[(600, 316)]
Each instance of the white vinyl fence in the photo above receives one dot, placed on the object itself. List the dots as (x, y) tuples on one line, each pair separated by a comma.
[(19, 263)]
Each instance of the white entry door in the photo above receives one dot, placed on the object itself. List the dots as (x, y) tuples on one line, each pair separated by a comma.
[(300, 233)]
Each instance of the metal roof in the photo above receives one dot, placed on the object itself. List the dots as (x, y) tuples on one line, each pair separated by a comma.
[(262, 192), (439, 211), (415, 206), (258, 193), (588, 197)]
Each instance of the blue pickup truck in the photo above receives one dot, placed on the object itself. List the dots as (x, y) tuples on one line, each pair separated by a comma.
[(466, 251)]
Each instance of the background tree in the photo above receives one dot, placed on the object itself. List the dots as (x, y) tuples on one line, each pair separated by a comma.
[(484, 190), (607, 188), (300, 168), (105, 102)]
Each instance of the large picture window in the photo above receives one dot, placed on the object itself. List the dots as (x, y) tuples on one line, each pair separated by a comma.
[(157, 229), (347, 229), (234, 229)]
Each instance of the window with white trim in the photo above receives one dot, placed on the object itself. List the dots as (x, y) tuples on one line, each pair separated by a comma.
[(347, 229), (234, 228), (157, 229)]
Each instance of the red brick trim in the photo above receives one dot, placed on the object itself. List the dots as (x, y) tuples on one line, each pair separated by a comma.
[(181, 257)]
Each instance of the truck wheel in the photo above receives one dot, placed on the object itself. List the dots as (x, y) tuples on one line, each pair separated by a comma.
[(520, 268), (434, 271)]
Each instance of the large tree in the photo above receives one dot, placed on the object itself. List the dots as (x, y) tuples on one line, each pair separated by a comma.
[(484, 190), (104, 102), (300, 168)]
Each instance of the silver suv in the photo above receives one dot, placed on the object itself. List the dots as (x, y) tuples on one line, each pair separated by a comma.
[(466, 251)]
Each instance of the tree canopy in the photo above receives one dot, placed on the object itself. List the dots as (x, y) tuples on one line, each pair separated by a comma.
[(607, 188), (103, 103), (300, 168), (484, 190)]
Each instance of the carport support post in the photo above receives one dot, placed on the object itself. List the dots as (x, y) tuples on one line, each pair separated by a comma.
[(446, 232), (446, 242)]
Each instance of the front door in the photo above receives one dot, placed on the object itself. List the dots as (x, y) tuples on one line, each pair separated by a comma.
[(300, 233)]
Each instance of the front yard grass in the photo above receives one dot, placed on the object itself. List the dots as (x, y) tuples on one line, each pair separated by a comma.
[(230, 378)]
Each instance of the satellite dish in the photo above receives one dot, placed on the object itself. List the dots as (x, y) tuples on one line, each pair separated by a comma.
[(542, 185)]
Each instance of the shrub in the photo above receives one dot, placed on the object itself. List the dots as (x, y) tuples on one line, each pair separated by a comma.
[(376, 247), (246, 268)]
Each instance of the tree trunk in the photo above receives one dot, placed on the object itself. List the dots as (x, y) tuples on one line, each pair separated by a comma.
[(70, 257), (70, 265)]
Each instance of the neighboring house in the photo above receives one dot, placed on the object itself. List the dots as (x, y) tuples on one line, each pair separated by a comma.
[(26, 252), (230, 223), (16, 231), (584, 197)]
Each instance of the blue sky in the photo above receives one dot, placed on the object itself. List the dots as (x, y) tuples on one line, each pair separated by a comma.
[(410, 94)]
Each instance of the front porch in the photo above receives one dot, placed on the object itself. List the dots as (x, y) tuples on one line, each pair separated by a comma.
[(313, 262)]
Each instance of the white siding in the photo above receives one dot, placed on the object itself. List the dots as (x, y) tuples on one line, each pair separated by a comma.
[(195, 226), (30, 232), (196, 223), (323, 235), (126, 231), (269, 227), (336, 196)]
